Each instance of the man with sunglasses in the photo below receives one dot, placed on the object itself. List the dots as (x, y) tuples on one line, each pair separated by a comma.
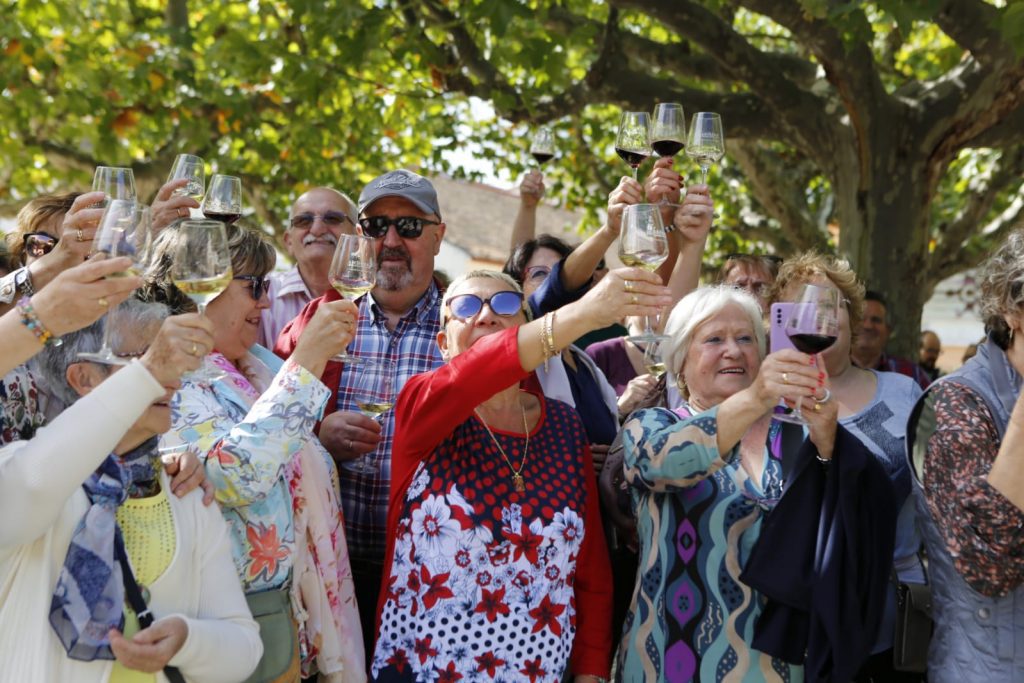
[(398, 321), (316, 219)]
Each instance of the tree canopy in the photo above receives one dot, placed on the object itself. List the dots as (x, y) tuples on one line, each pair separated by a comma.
[(896, 125)]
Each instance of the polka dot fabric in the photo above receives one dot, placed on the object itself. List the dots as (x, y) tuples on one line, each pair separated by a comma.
[(482, 577)]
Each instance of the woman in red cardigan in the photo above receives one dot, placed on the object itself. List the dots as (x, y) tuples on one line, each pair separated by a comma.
[(497, 567)]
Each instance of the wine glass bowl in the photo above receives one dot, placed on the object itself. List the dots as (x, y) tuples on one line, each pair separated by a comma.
[(812, 326), (654, 359), (705, 143), (633, 142), (373, 392), (542, 147), (353, 273), (668, 129), (223, 201), (643, 244), (116, 182), (193, 168)]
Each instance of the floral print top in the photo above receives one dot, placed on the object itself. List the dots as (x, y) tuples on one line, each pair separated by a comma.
[(484, 582), (246, 451), (19, 400)]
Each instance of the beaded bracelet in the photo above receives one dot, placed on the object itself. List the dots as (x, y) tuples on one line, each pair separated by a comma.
[(30, 320)]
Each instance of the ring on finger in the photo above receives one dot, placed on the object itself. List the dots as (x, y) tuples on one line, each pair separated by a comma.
[(79, 236), (823, 399), (194, 351), (102, 301), (635, 300), (628, 286), (178, 211), (785, 378)]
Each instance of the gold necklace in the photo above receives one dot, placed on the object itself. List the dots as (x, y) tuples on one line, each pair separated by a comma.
[(518, 483)]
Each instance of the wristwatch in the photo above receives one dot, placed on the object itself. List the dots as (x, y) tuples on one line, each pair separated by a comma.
[(13, 284)]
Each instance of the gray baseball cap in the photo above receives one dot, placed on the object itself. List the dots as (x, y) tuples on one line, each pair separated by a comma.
[(404, 184)]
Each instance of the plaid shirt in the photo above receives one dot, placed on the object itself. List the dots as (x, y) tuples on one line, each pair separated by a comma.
[(412, 347)]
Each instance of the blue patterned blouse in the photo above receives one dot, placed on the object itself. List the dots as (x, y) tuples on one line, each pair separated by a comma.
[(698, 515)]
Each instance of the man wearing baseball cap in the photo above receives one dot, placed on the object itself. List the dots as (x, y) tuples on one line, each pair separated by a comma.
[(398, 321)]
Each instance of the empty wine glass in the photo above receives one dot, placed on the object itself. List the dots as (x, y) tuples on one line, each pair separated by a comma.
[(114, 181), (812, 326), (192, 167), (633, 143), (202, 268), (543, 146), (353, 273), (223, 200), (706, 142), (125, 229), (373, 391), (643, 244)]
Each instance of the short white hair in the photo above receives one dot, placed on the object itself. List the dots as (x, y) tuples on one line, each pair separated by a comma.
[(694, 310)]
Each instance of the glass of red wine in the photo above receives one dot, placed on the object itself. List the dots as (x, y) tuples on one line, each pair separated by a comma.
[(668, 133), (542, 147), (633, 143), (812, 326), (223, 201)]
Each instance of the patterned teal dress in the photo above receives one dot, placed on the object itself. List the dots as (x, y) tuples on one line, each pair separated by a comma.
[(698, 517)]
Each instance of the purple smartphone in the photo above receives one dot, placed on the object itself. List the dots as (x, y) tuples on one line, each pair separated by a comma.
[(778, 339)]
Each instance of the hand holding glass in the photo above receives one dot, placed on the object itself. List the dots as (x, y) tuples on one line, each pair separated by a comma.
[(812, 326), (194, 169), (643, 244), (353, 273)]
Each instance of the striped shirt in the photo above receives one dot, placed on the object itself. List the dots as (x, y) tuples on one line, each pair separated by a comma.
[(412, 347)]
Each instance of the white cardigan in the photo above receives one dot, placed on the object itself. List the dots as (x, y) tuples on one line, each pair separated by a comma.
[(41, 503)]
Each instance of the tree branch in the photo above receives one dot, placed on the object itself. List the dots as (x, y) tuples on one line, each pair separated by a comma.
[(973, 24), (979, 248), (780, 196), (746, 64)]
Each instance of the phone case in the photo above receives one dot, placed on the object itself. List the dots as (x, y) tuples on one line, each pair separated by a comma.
[(778, 339)]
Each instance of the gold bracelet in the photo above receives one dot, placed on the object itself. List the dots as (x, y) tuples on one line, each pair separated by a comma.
[(549, 337)]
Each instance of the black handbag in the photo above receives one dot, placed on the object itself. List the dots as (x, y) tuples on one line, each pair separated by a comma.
[(913, 626)]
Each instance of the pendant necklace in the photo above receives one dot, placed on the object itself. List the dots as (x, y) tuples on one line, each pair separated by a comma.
[(518, 483)]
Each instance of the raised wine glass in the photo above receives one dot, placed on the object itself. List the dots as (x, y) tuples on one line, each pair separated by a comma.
[(373, 391), (543, 146), (192, 167), (668, 133), (706, 142), (125, 229), (643, 244), (353, 273), (812, 326), (114, 181), (202, 269), (633, 143), (223, 200)]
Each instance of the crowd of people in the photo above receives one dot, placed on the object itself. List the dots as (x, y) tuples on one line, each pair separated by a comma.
[(540, 504)]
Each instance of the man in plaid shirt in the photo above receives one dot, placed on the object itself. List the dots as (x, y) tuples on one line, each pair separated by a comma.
[(398, 321)]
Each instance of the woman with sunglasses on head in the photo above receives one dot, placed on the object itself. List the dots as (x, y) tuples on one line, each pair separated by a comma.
[(496, 566), (276, 485)]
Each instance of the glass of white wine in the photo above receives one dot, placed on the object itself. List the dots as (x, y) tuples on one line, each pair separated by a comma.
[(202, 268), (353, 273), (373, 391), (706, 142), (194, 168), (643, 244), (125, 229)]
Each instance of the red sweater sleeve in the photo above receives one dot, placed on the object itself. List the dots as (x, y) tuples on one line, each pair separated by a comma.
[(592, 648)]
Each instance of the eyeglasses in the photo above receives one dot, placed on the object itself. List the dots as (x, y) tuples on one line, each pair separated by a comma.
[(408, 227), (505, 304), (39, 243), (259, 285), (537, 273), (332, 219)]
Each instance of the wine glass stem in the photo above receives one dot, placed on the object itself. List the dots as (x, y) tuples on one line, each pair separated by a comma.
[(635, 169), (704, 174)]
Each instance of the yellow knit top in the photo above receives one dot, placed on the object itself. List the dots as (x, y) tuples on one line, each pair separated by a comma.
[(147, 527)]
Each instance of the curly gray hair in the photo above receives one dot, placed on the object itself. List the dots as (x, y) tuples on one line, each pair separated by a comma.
[(1002, 287)]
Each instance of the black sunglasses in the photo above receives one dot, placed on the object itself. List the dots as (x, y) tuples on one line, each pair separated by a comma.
[(259, 285), (332, 219), (505, 304), (39, 243), (408, 227)]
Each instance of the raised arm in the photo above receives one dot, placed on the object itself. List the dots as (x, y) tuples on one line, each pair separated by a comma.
[(524, 227)]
